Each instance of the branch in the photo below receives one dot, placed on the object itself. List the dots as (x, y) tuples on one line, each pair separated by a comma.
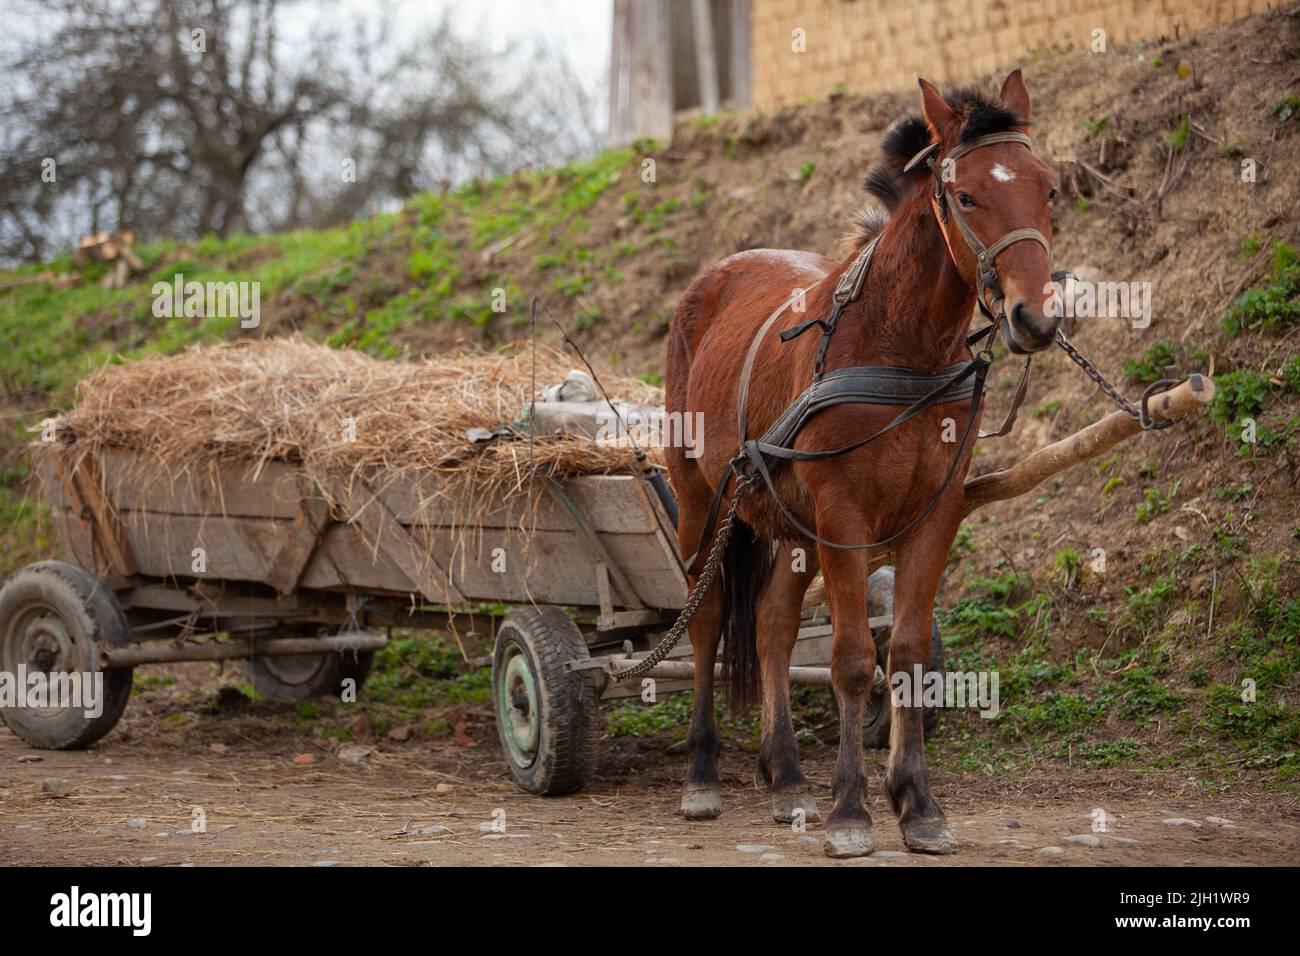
[(1083, 445)]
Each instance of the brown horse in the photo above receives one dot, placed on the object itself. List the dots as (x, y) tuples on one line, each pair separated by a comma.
[(913, 311)]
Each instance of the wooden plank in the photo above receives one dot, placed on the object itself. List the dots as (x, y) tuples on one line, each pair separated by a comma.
[(136, 482), (235, 549), (611, 503), (110, 535), (307, 531), (384, 532), (603, 557), (76, 538)]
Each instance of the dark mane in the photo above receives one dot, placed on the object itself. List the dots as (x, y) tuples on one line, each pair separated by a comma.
[(891, 187)]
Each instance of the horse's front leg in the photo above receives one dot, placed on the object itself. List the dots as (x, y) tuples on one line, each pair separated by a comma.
[(907, 783), (853, 669), (779, 609)]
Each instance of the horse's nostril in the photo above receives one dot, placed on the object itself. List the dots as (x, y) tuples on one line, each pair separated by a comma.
[(1032, 325)]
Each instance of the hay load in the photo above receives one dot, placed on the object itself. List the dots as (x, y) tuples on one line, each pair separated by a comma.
[(341, 415)]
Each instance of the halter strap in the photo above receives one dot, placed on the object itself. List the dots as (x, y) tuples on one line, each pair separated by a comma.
[(986, 278)]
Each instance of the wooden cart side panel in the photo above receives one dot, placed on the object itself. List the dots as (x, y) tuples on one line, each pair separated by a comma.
[(163, 526), (550, 567), (75, 532), (275, 490), (233, 549), (78, 548)]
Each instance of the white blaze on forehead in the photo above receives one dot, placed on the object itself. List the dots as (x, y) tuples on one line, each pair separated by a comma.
[(1002, 174)]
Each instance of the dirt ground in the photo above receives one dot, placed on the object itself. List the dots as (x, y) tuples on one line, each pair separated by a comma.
[(271, 796)]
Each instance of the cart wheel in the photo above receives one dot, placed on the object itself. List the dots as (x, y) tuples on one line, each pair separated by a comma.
[(295, 677), (548, 719), (875, 728), (51, 616)]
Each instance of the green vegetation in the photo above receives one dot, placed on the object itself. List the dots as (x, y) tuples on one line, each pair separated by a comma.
[(1273, 307)]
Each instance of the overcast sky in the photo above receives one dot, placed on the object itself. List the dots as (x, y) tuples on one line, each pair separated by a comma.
[(580, 29)]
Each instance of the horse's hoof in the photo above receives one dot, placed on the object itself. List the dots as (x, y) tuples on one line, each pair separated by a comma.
[(702, 804), (787, 806), (930, 836), (845, 841)]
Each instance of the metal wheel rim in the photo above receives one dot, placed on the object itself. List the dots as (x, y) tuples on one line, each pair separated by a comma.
[(517, 703), (294, 670), (38, 638)]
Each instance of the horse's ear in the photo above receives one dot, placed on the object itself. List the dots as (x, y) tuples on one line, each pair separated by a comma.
[(939, 116), (1015, 95)]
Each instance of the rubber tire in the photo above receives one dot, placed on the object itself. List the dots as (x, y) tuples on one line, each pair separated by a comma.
[(875, 729), (90, 612), (334, 669), (568, 742)]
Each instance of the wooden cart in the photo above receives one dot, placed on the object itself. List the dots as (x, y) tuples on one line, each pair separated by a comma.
[(304, 582)]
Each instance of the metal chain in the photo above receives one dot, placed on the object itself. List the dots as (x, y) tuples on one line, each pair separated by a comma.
[(702, 585), (1095, 374)]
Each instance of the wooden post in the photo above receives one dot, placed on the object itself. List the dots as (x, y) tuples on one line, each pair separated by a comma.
[(305, 535), (706, 54), (641, 88), (742, 39)]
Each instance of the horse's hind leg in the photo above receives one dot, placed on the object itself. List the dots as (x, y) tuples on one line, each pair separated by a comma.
[(907, 782), (853, 669), (779, 608), (702, 790)]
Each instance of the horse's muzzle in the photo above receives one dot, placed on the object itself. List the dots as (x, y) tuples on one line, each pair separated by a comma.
[(1026, 328)]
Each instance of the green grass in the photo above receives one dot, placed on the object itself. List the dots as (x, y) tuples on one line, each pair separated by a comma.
[(1273, 307)]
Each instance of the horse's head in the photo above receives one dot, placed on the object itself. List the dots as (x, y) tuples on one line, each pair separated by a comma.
[(992, 196)]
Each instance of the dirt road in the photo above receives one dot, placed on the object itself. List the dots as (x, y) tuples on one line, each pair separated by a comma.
[(280, 798)]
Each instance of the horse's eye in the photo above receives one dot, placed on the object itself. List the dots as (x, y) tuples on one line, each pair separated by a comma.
[(1051, 194), (966, 201)]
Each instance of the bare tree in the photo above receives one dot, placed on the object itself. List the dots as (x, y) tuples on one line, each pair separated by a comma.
[(184, 117)]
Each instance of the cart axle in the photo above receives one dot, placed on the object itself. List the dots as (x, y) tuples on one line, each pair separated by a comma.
[(131, 655)]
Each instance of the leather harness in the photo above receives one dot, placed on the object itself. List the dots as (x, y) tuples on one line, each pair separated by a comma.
[(881, 384)]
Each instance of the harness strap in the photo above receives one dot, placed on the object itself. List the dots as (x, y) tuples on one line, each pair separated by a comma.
[(979, 368), (1019, 399), (846, 290), (750, 356), (859, 385)]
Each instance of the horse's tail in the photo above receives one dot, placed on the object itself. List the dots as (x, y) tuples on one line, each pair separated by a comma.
[(746, 565)]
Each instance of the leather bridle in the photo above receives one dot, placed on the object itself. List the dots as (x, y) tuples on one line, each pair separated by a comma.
[(988, 291)]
